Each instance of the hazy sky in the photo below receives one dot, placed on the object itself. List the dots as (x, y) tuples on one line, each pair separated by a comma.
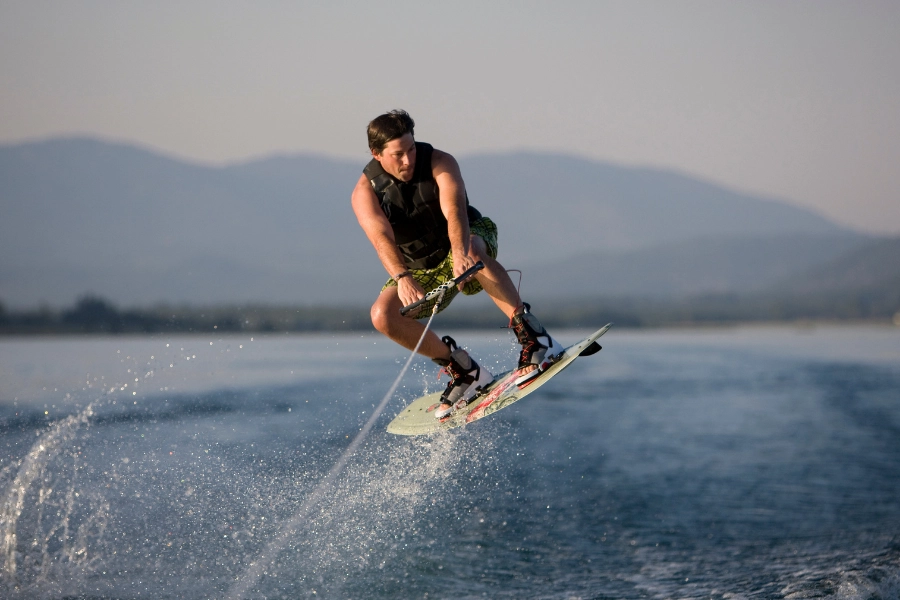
[(794, 100)]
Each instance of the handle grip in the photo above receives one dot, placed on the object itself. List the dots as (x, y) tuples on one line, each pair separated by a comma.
[(443, 288)]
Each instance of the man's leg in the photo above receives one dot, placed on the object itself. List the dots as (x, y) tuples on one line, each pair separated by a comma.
[(536, 342), (405, 331), (499, 286), (466, 377), (495, 280)]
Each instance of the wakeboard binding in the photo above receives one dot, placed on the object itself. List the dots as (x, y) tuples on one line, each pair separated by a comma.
[(538, 348), (467, 379)]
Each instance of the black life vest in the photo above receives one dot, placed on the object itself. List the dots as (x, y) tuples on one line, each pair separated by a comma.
[(413, 209)]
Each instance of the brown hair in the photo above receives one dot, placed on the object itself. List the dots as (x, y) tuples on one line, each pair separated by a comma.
[(387, 127)]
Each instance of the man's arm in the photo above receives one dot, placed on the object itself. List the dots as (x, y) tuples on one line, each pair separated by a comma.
[(452, 192), (378, 229)]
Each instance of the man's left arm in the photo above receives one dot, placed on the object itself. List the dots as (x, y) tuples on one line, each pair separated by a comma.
[(452, 194)]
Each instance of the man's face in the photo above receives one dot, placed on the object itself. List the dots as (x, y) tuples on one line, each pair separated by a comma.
[(398, 158)]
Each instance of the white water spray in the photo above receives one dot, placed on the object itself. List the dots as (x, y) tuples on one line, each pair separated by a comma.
[(55, 439), (296, 523), (13, 499)]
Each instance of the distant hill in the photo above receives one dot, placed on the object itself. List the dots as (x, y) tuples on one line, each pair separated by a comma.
[(139, 228), (722, 265), (874, 265), (864, 281), (86, 216), (554, 207)]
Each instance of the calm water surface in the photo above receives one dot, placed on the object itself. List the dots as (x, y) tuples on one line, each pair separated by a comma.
[(733, 463)]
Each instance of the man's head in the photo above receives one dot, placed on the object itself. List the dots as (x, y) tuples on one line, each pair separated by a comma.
[(387, 127), (392, 144)]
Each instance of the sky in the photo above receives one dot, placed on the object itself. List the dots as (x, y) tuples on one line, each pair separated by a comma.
[(796, 101)]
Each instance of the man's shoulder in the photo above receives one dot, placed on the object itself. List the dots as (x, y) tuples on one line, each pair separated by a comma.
[(442, 162)]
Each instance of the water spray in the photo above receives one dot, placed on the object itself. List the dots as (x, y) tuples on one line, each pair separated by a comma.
[(295, 524)]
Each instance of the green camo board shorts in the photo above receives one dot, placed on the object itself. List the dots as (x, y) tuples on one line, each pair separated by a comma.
[(432, 278)]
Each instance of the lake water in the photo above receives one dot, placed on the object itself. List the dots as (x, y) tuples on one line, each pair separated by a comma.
[(723, 463)]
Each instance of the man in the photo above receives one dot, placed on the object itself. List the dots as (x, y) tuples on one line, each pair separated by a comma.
[(412, 205)]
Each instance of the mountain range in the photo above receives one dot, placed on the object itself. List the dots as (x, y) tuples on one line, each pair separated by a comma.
[(85, 216)]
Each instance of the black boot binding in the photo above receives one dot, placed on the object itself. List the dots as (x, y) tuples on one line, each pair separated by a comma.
[(538, 348), (467, 379)]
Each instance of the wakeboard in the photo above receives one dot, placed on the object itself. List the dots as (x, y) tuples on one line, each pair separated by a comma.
[(418, 418)]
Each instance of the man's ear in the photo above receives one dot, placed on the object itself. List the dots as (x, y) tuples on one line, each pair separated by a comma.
[(376, 155)]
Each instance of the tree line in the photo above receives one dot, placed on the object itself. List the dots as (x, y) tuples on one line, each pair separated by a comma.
[(95, 315)]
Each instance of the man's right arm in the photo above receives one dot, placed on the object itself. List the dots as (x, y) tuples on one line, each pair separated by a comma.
[(378, 229)]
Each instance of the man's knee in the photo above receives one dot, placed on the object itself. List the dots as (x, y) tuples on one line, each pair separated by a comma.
[(379, 316), (384, 313)]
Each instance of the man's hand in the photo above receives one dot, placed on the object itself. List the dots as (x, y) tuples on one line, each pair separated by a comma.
[(462, 262), (409, 291)]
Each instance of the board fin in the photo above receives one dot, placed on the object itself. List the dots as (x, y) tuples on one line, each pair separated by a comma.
[(593, 348)]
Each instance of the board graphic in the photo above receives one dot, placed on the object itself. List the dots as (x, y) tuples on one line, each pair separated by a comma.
[(418, 417)]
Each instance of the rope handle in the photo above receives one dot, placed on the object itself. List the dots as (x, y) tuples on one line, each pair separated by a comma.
[(447, 285)]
